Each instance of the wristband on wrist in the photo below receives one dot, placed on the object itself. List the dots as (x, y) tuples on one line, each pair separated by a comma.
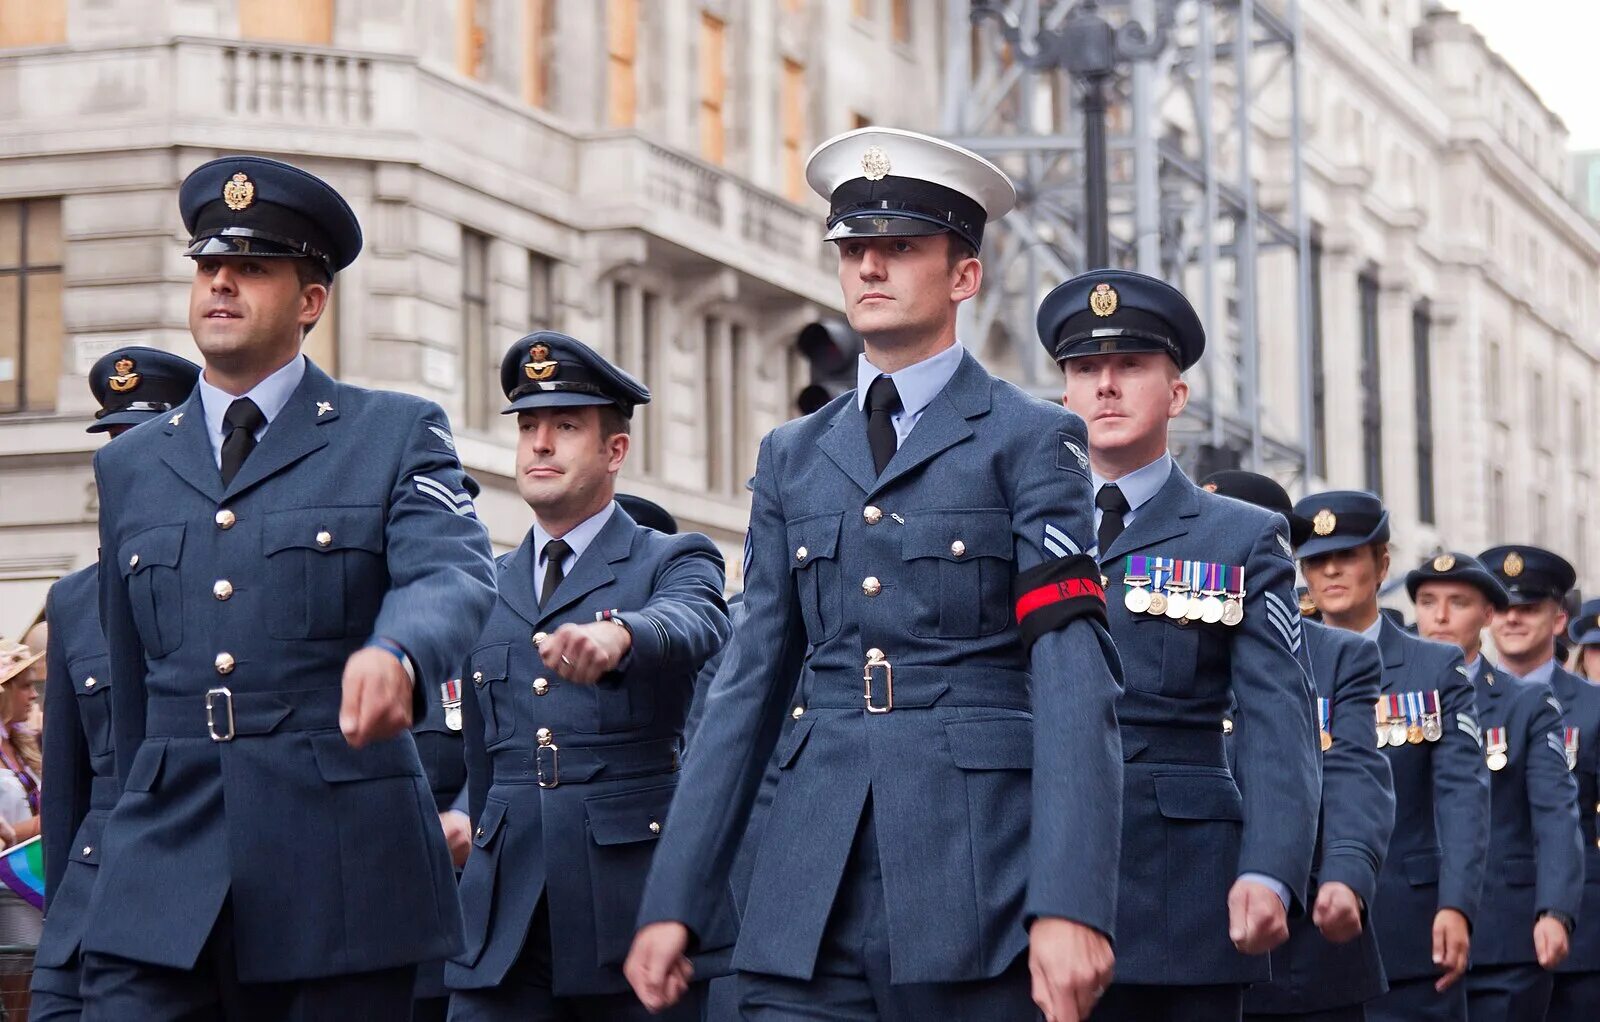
[(394, 650)]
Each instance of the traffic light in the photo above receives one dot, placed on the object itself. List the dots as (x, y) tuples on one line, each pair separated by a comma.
[(830, 347)]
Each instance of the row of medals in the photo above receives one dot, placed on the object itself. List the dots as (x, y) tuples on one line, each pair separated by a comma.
[(1179, 604), (1398, 732)]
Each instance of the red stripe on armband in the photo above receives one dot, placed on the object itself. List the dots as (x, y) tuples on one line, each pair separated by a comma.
[(1058, 592)]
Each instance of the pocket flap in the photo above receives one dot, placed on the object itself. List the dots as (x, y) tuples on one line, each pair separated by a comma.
[(942, 534), (1195, 796), (1421, 868), (793, 741), (146, 769), (323, 529), (158, 546), (488, 663), (90, 675), (816, 538), (1519, 871), (338, 762), (998, 743), (494, 813), (630, 816)]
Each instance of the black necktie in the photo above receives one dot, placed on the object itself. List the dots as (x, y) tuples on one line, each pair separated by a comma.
[(883, 400), (1113, 505), (242, 421), (555, 552)]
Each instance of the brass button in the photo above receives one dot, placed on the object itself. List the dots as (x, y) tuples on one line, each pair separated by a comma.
[(800, 555), (871, 586), (543, 735), (798, 712), (477, 678), (872, 515), (87, 849), (539, 637), (324, 538), (1227, 726), (540, 686), (958, 548), (655, 828), (225, 519), (89, 682), (224, 662), (133, 562), (222, 589), (478, 833)]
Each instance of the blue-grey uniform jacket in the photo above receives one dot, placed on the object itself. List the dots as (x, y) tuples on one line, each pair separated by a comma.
[(1191, 825), (570, 784), (994, 774), (1309, 973), (1441, 812), (1535, 858), (349, 521), (79, 762), (1580, 703), (444, 764)]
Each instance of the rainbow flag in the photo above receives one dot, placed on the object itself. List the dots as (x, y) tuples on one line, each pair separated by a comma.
[(22, 870)]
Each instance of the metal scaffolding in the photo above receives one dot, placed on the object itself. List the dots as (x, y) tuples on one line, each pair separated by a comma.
[(1204, 117)]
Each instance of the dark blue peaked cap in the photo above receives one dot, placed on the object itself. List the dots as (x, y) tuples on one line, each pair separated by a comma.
[(1455, 566), (1105, 311), (648, 513), (1585, 628), (1530, 573), (134, 383), (253, 206), (1341, 520), (546, 369)]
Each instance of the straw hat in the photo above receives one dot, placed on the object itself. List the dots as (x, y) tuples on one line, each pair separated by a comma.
[(15, 658)]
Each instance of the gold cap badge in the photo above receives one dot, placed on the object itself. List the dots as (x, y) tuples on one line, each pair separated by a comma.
[(1308, 606), (1324, 523), (1210, 487), (1103, 300), (1513, 565), (1444, 562), (125, 379), (239, 193), (874, 164), (539, 367)]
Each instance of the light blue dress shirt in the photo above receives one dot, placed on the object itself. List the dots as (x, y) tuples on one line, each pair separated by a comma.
[(270, 395), (918, 385), (578, 538), (1544, 672)]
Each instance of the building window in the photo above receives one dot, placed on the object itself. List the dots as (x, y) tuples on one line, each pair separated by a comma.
[(30, 304), (1371, 380), (1422, 372), (622, 51), (541, 292), (900, 20), (1491, 381), (470, 39), (289, 21), (636, 340), (1497, 503), (1541, 518), (1318, 452), (480, 365), (32, 22), (713, 87), (715, 375), (1536, 410), (793, 102), (538, 51)]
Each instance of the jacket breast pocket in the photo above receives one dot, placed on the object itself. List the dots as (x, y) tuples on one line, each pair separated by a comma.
[(150, 572), (1165, 656), (960, 565), (91, 678), (325, 571), (488, 672), (623, 830), (814, 559)]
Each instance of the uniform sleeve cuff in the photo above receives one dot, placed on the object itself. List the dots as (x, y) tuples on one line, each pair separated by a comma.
[(1352, 870)]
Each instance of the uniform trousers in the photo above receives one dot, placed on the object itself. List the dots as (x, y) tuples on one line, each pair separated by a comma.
[(119, 989), (1415, 1000), (1347, 1013), (525, 993), (851, 979), (1134, 1002), (1509, 993), (1575, 998), (50, 1006)]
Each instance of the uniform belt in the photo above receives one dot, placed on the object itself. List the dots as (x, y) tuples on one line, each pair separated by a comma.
[(104, 792), (1188, 745), (223, 715), (917, 686), (556, 764)]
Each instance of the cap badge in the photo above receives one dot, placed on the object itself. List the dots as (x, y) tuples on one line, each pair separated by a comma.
[(874, 164), (539, 366), (1308, 606), (1103, 300), (239, 193), (1444, 562), (124, 379), (1210, 487), (880, 224), (1512, 565), (1324, 523)]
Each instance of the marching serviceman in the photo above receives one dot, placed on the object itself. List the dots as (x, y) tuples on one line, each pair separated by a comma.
[(289, 562), (1537, 583), (1330, 966), (1534, 880), (1202, 609), (943, 836), (574, 738), (1584, 634), (130, 384), (1426, 722)]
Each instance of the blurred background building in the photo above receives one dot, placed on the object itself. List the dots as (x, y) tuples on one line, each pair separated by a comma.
[(1416, 316)]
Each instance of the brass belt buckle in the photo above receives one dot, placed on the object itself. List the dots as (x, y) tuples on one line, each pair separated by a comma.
[(875, 659), (212, 696), (554, 778)]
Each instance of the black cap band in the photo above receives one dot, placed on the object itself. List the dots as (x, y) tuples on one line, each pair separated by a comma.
[(1086, 334), (268, 225), (923, 200)]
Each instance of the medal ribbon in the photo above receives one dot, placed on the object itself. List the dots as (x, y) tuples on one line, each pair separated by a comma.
[(1236, 580), (1323, 714), (1494, 739)]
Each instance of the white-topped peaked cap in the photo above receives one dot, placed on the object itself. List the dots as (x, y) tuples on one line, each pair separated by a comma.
[(884, 182)]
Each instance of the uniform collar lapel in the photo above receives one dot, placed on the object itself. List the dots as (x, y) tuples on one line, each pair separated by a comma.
[(1392, 642), (1165, 516), (295, 433), (593, 569), (516, 581), (187, 450)]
